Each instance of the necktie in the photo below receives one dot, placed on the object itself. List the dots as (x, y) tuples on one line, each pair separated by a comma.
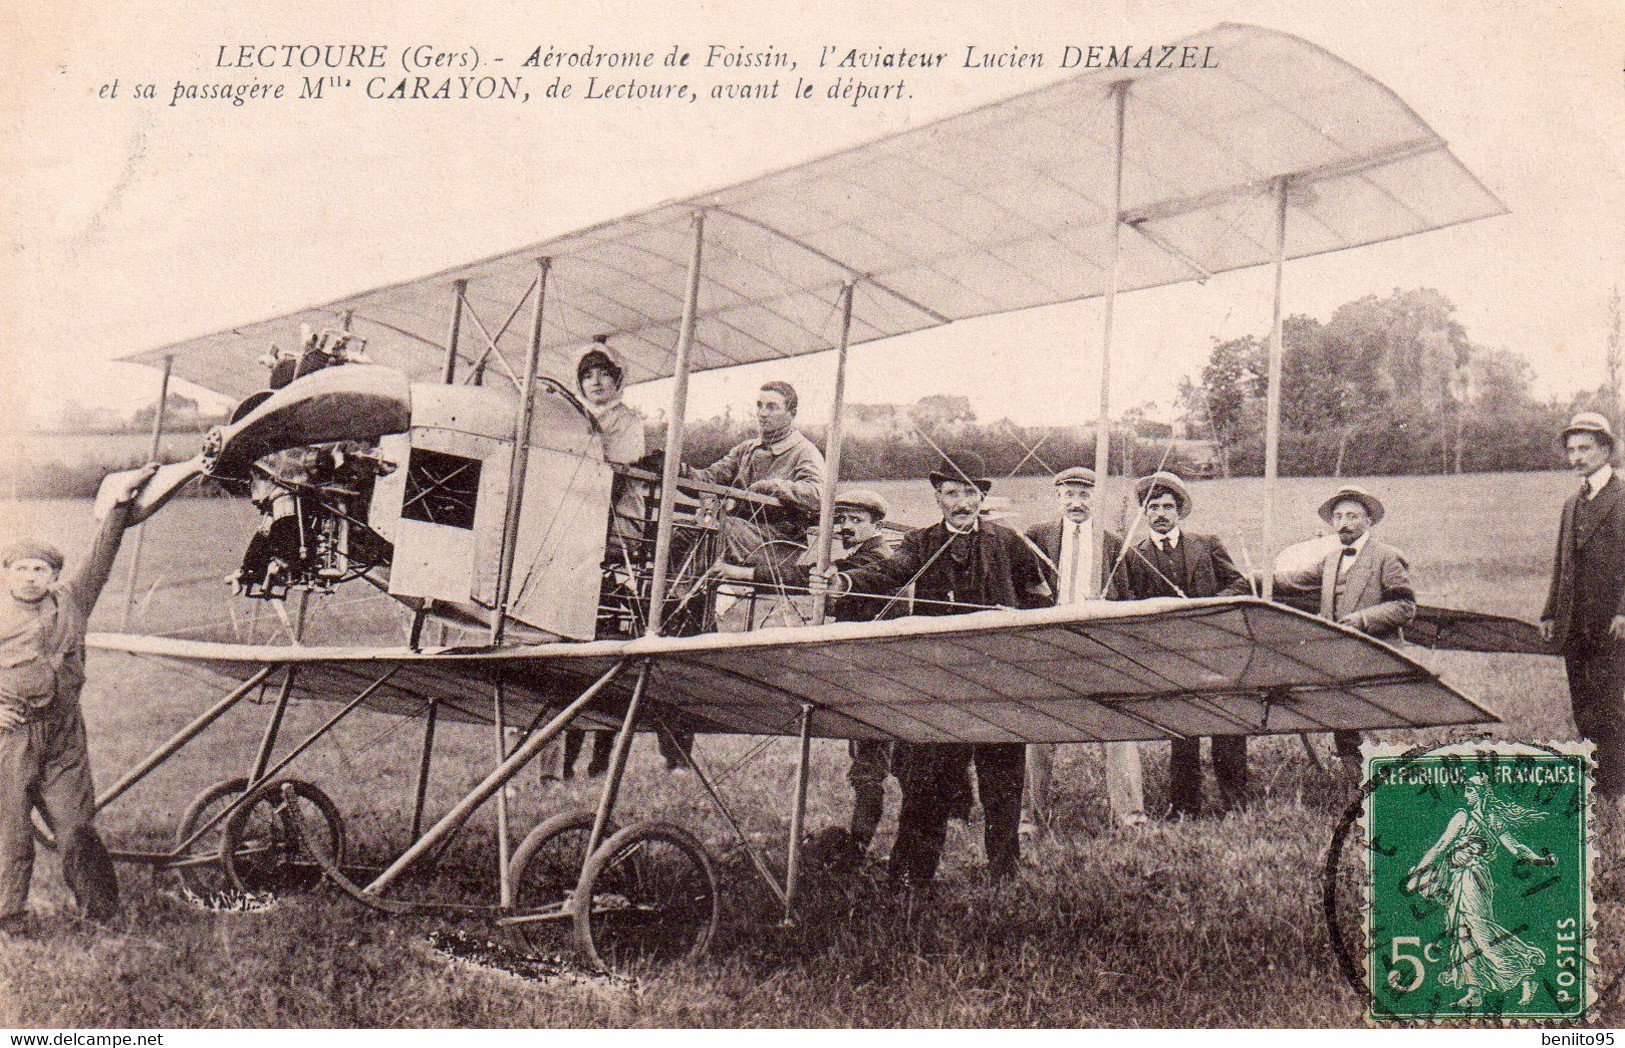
[(1071, 594)]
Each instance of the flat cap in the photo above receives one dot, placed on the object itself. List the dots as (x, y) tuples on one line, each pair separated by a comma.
[(1075, 475), (864, 499), (28, 549)]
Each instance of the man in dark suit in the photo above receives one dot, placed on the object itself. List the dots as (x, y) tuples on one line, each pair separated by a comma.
[(960, 564), (1077, 566), (1364, 583), (1585, 608), (1173, 562)]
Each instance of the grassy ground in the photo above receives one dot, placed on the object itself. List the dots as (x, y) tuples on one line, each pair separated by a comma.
[(1215, 922)]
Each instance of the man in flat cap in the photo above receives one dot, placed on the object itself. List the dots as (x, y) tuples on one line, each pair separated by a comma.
[(44, 760), (1174, 562), (1584, 615), (1070, 553), (960, 564), (858, 513), (1364, 583), (779, 461)]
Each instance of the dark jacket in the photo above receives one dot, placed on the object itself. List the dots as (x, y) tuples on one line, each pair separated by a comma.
[(867, 607), (1588, 573), (990, 566), (1047, 537), (1201, 568)]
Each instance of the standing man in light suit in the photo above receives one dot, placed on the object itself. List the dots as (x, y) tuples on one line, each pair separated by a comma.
[(1585, 608), (1364, 583), (1068, 544)]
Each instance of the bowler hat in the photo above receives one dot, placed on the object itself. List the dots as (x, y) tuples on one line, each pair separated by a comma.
[(862, 498), (1590, 422), (1146, 487), (1350, 493), (965, 466), (1075, 475)]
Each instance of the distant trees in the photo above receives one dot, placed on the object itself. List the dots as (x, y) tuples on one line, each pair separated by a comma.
[(1387, 385)]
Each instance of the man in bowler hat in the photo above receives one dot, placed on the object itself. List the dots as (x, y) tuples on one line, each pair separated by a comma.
[(960, 564)]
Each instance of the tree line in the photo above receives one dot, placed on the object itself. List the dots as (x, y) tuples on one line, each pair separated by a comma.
[(1388, 385)]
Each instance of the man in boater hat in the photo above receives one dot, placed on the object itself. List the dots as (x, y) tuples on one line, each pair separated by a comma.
[(1585, 607), (43, 756), (1173, 562), (1364, 583)]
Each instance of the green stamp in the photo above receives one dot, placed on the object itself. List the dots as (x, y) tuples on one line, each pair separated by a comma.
[(1478, 882)]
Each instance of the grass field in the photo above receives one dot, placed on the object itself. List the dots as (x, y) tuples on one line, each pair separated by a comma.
[(1214, 922)]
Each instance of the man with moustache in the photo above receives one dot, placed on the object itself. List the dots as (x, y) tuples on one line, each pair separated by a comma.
[(857, 517), (1173, 562), (1069, 547), (958, 565), (1364, 583), (1584, 617)]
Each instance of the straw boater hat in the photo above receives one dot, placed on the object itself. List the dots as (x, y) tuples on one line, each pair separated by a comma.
[(864, 499), (1350, 493), (1590, 422), (965, 466), (1161, 481)]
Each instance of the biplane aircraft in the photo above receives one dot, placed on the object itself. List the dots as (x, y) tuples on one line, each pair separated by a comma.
[(443, 466)]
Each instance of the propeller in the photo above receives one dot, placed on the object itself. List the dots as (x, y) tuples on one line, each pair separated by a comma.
[(353, 402)]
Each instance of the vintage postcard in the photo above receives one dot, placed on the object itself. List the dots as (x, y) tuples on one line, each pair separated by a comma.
[(891, 516)]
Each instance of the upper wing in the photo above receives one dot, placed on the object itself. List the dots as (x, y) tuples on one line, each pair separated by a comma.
[(1001, 208), (1083, 673), (1455, 630)]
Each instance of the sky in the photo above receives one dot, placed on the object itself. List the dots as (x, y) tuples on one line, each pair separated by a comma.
[(131, 224)]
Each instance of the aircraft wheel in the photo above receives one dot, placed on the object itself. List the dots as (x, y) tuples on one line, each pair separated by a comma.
[(206, 879), (544, 872), (260, 847), (649, 896)]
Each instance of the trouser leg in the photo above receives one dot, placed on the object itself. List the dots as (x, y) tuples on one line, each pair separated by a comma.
[(677, 748), (1000, 774), (1348, 751), (571, 752), (1125, 782), (67, 794), (1185, 777), (603, 744), (1230, 769), (922, 825), (18, 773), (1597, 695), (1040, 774), (871, 761)]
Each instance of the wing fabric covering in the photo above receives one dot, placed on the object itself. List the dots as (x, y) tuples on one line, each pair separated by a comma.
[(1001, 208), (1092, 672)]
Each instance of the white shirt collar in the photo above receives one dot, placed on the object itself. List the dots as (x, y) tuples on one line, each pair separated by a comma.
[(1172, 538), (1600, 478), (1357, 545), (975, 526)]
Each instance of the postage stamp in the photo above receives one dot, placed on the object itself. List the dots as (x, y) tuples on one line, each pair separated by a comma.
[(1478, 882)]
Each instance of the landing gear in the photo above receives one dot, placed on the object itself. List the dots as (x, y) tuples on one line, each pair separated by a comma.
[(261, 848), (648, 895), (545, 871)]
